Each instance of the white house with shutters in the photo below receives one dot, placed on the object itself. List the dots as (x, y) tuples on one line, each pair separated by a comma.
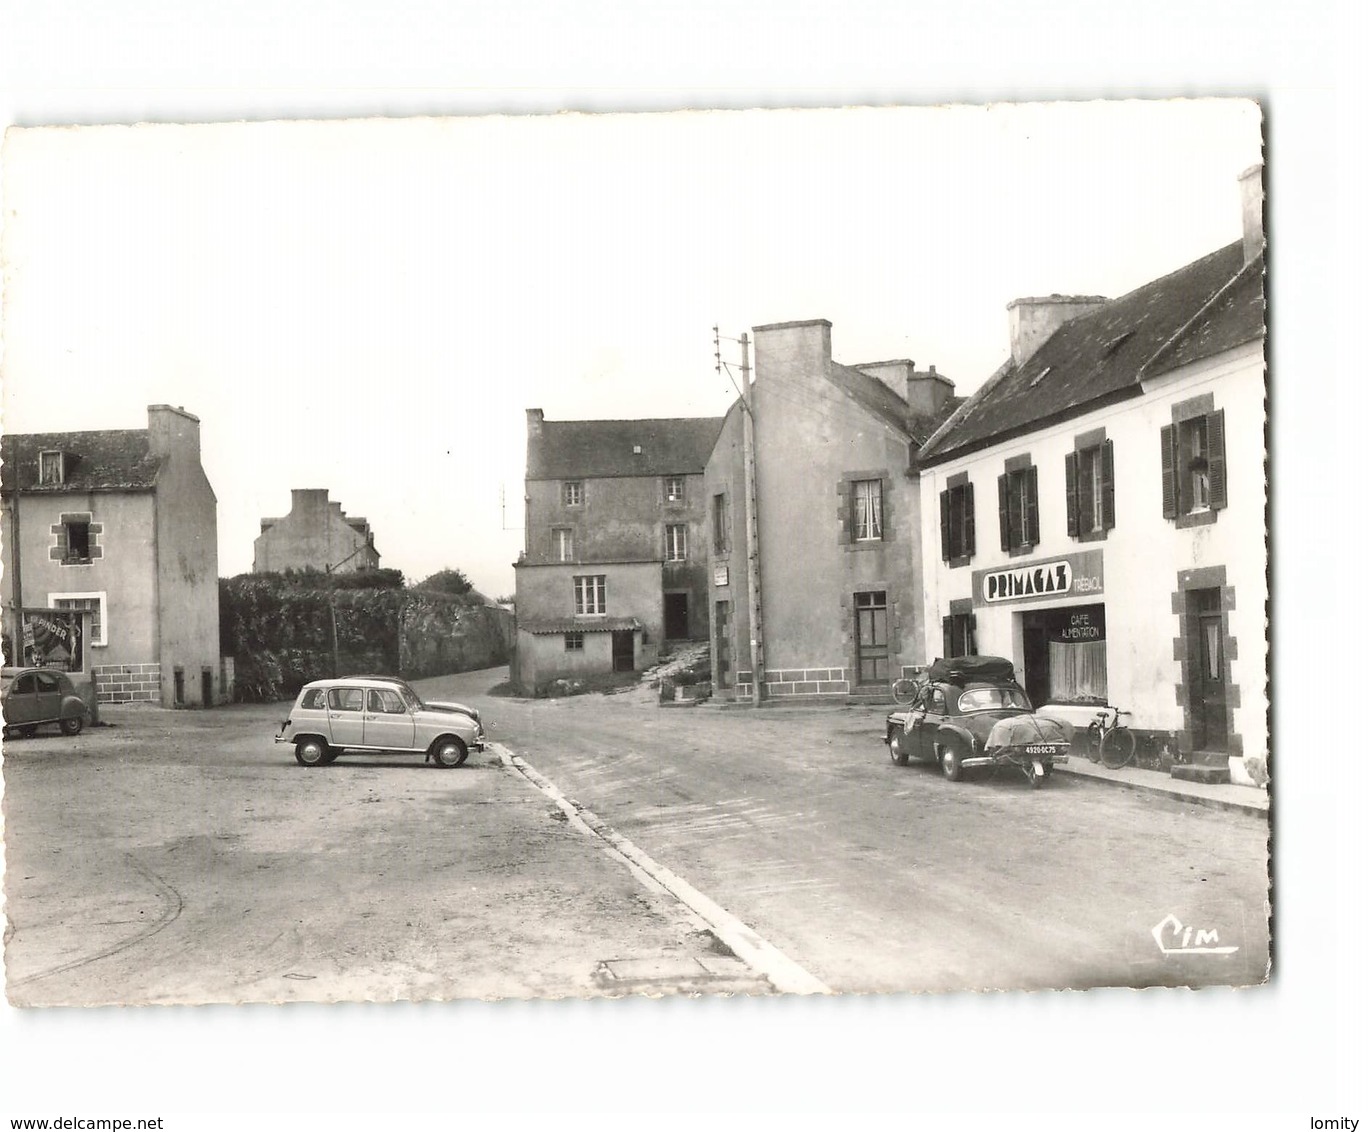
[(1102, 501)]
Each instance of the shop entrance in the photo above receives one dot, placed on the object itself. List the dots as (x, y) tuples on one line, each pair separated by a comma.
[(1065, 657), (1208, 687)]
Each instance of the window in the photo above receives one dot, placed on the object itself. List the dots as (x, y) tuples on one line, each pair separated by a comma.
[(51, 469), (675, 489), (95, 602), (345, 699), (1018, 508), (1089, 490), (958, 523), (312, 699), (573, 493), (958, 635), (589, 593), (563, 544), (1193, 463), (675, 542), (78, 542), (385, 701), (720, 523), (575, 642), (867, 502)]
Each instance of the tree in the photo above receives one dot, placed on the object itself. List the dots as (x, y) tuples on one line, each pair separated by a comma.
[(447, 581)]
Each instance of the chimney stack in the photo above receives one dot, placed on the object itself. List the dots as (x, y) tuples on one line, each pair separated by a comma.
[(534, 423), (1032, 321), (927, 393), (171, 428), (1253, 212)]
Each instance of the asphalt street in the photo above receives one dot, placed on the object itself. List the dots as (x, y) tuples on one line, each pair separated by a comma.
[(184, 857)]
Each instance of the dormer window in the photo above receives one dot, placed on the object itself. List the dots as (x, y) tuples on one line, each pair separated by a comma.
[(51, 468)]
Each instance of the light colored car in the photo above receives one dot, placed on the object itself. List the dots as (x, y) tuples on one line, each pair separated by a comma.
[(379, 715), (34, 696)]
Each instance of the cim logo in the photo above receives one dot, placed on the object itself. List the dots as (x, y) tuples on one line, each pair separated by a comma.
[(1176, 938)]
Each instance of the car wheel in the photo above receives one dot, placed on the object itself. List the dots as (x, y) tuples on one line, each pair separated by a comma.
[(898, 755), (311, 752), (72, 726), (949, 759), (449, 752), (331, 757)]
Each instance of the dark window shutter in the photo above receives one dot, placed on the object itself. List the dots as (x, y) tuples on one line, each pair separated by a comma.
[(946, 525), (1005, 531), (968, 501), (948, 649), (1170, 505), (972, 645), (1072, 495), (1217, 461), (1106, 482), (1032, 536)]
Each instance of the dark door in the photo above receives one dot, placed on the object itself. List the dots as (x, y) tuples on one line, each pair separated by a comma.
[(623, 650), (723, 642), (1209, 690), (206, 688), (1036, 662), (677, 615), (872, 638)]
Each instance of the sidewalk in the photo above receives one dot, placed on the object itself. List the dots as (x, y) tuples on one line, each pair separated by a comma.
[(1221, 795)]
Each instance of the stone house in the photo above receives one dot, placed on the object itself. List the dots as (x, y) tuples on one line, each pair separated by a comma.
[(121, 523), (614, 561), (1102, 500), (316, 535), (838, 518)]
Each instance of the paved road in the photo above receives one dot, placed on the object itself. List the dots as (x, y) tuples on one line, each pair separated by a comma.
[(183, 857), (875, 877)]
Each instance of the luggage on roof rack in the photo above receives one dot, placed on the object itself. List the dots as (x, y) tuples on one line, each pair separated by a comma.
[(958, 669)]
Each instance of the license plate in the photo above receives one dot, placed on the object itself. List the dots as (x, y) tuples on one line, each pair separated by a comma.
[(1039, 749)]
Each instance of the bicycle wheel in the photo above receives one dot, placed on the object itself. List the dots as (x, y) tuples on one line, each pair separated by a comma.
[(1118, 747), (905, 691)]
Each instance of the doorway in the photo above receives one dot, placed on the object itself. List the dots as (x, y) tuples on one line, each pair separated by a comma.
[(723, 642), (1208, 668), (206, 688), (676, 615), (872, 637), (623, 650)]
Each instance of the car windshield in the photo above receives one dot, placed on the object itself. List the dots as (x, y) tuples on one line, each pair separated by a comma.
[(991, 698), (410, 697)]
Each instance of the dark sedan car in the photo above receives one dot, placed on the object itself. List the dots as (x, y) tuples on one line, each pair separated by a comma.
[(973, 713), (34, 696)]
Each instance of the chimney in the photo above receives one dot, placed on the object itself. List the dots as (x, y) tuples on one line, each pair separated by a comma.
[(927, 393), (173, 430), (894, 374), (305, 500), (1253, 212), (1032, 321), (534, 423), (801, 351)]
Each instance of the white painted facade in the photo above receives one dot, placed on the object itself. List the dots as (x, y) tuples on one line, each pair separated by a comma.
[(1143, 557)]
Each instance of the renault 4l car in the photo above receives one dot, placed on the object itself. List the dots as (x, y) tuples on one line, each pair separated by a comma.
[(971, 714), (379, 715)]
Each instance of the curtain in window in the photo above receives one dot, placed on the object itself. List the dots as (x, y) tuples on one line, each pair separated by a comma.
[(867, 505), (1077, 671)]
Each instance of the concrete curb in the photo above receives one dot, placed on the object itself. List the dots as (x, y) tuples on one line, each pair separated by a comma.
[(1178, 793), (762, 957)]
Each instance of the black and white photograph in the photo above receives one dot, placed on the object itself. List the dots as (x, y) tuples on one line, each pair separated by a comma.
[(679, 566)]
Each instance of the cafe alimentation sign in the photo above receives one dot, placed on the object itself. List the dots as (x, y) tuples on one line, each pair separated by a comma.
[(1067, 575)]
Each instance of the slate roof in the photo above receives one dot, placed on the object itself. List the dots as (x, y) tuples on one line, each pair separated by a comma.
[(602, 449), (1100, 356), (548, 625), (101, 460)]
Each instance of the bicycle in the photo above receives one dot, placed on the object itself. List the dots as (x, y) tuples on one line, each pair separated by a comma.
[(905, 690), (1111, 742)]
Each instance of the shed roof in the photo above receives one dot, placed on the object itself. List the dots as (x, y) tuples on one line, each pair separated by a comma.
[(548, 625), (1103, 355), (100, 460), (599, 449)]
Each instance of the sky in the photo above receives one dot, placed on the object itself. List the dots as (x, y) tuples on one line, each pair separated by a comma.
[(369, 306)]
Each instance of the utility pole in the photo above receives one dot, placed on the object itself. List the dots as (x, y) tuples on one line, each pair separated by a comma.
[(752, 513)]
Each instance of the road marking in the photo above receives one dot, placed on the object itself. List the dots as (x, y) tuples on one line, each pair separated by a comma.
[(780, 970)]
